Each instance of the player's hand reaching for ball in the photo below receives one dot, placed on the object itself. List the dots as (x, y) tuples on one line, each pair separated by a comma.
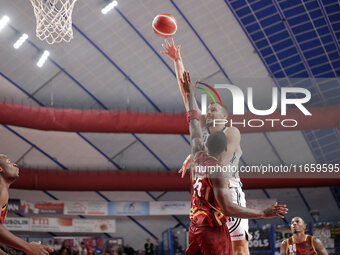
[(171, 50), (275, 210), (36, 248), (185, 166)]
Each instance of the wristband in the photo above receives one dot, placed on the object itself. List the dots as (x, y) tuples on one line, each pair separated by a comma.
[(192, 114)]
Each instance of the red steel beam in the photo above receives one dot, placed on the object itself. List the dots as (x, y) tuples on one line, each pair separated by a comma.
[(70, 120), (116, 180)]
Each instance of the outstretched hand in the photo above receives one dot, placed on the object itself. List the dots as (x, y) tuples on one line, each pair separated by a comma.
[(275, 210), (171, 50), (186, 83), (185, 166), (36, 248)]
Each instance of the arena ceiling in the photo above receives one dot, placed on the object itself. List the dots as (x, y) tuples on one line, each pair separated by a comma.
[(114, 63)]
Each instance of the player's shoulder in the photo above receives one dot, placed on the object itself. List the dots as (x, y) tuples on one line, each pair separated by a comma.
[(315, 240), (232, 131)]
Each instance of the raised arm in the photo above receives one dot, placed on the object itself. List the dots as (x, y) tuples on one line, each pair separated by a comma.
[(174, 53), (224, 200), (196, 136), (283, 248)]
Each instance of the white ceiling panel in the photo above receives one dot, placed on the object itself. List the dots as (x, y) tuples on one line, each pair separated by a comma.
[(111, 144), (250, 144), (172, 149), (173, 196), (292, 147), (127, 195), (9, 92), (12, 145), (67, 148), (29, 195), (137, 157), (60, 92), (76, 195)]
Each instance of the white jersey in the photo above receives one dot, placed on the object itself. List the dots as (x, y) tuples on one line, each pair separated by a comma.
[(235, 181)]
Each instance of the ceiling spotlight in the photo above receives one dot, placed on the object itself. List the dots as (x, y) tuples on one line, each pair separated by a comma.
[(43, 58), (20, 41), (109, 7), (3, 22)]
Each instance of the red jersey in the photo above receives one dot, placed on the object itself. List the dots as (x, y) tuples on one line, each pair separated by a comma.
[(3, 214), (204, 208), (304, 248)]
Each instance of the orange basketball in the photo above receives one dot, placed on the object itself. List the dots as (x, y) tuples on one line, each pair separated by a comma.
[(164, 25)]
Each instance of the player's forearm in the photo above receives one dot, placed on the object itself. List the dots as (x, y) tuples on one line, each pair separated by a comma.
[(230, 209), (179, 69), (323, 252), (319, 247), (195, 126), (283, 250), (11, 240)]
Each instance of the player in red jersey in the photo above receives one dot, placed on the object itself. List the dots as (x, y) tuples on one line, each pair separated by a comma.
[(211, 199), (300, 243), (9, 173)]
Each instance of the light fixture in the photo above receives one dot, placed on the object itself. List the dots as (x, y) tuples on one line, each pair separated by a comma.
[(3, 22), (109, 7), (20, 41), (43, 58)]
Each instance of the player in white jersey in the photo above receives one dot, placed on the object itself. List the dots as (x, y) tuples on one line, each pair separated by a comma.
[(238, 228)]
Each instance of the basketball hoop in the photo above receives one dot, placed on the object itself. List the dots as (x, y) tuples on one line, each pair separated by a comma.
[(54, 20)]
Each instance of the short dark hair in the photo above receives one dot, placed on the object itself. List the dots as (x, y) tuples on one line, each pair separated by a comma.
[(216, 143), (224, 108), (299, 218)]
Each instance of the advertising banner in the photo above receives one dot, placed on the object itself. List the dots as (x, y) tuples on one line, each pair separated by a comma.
[(85, 208), (65, 225), (13, 205), (261, 239), (41, 207), (170, 208), (94, 226), (128, 208), (51, 224), (17, 224)]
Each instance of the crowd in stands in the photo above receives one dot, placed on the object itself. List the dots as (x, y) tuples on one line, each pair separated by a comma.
[(85, 250)]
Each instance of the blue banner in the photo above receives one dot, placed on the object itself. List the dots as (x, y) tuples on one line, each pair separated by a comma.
[(128, 208)]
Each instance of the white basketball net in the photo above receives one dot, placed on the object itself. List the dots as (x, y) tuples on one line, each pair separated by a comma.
[(54, 20)]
